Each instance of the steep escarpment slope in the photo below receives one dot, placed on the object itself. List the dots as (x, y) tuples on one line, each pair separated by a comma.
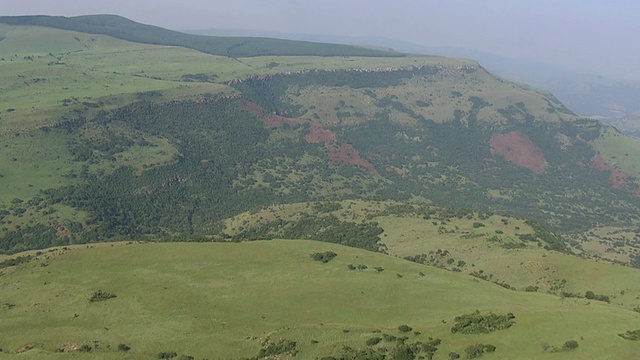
[(148, 140)]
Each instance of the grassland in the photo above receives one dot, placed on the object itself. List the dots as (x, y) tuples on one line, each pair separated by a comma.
[(488, 247), (620, 151), (223, 300), (436, 97)]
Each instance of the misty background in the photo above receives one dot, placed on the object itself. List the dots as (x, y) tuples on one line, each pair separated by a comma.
[(584, 51)]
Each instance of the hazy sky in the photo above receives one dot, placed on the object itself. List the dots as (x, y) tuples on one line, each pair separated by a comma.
[(600, 36)]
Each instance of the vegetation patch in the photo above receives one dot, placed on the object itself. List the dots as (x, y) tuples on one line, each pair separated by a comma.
[(477, 350), (277, 349), (633, 335), (324, 257), (476, 323), (398, 348), (101, 296)]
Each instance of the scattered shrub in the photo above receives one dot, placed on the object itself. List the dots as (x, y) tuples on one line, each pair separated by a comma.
[(101, 296), (373, 341), (570, 345), (593, 296), (123, 347), (166, 355), (282, 347), (324, 257), (477, 350), (631, 335), (404, 328)]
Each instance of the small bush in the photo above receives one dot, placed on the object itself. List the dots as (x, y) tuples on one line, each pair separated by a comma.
[(282, 347), (454, 356), (101, 296), (123, 347), (166, 355), (373, 341), (324, 257), (570, 345), (404, 328), (631, 335), (477, 225), (477, 350)]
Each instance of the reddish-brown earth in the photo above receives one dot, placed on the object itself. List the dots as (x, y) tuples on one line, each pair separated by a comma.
[(340, 154), (516, 148), (317, 135), (347, 154), (618, 177), (270, 121)]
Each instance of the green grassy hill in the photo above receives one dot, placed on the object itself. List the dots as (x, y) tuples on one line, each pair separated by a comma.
[(230, 300), (511, 252), (126, 29), (498, 197)]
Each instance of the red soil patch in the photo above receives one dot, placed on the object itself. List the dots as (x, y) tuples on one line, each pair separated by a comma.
[(347, 154), (270, 121), (317, 134), (516, 148), (618, 177), (341, 154)]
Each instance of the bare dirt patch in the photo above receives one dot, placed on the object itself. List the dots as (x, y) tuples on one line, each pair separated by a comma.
[(340, 154), (618, 177), (347, 154), (317, 135), (270, 121), (516, 148)]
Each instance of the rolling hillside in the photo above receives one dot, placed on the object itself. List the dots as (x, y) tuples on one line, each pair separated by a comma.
[(152, 140), (125, 29), (430, 208), (222, 301)]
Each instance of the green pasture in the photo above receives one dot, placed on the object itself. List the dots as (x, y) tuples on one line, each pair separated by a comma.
[(620, 151), (222, 300), (530, 265)]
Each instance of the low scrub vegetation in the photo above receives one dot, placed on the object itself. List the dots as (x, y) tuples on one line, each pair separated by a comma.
[(101, 296), (476, 323), (324, 257)]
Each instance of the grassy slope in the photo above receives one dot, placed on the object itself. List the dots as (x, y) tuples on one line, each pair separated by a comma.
[(409, 235), (125, 29), (222, 300), (531, 266), (620, 151)]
